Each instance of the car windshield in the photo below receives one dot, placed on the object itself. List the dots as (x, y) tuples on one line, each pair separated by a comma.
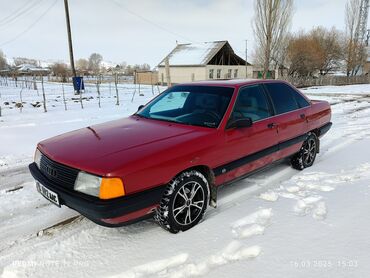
[(191, 105)]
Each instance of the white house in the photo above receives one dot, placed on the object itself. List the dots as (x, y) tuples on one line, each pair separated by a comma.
[(205, 61)]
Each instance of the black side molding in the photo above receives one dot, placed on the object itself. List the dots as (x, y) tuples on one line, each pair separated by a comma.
[(258, 155)]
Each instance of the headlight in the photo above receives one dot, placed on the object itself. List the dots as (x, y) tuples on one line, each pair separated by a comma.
[(104, 188), (88, 184), (37, 158)]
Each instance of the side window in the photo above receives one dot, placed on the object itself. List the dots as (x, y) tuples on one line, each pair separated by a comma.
[(251, 103), (282, 97), (302, 102)]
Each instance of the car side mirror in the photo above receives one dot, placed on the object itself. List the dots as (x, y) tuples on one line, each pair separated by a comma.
[(240, 123), (140, 107)]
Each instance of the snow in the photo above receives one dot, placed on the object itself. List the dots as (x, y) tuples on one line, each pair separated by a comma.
[(277, 223), (192, 54)]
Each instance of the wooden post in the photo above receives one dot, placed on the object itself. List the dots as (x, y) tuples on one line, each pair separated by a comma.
[(34, 83), (138, 82), (43, 93), (20, 96), (98, 89), (64, 98), (116, 83), (133, 95), (151, 82), (80, 93), (167, 65)]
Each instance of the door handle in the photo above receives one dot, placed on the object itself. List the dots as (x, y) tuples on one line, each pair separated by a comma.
[(302, 116), (272, 125)]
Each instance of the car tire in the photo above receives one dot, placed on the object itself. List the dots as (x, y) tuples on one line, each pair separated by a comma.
[(307, 154), (184, 202)]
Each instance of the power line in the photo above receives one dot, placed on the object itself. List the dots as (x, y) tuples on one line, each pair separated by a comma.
[(30, 26), (19, 14), (177, 35), (18, 10)]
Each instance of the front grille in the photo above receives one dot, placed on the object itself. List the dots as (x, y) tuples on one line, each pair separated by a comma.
[(57, 173)]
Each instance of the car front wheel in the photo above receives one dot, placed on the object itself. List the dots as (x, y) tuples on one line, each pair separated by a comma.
[(184, 202)]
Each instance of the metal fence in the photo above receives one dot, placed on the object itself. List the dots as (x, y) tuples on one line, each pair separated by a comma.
[(327, 80)]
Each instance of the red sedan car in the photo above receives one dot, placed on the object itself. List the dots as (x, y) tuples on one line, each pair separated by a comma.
[(169, 158)]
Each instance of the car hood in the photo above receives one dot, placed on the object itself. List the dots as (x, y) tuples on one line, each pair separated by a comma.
[(90, 148)]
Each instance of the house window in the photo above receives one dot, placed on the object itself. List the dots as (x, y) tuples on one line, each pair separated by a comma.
[(211, 72), (235, 73), (218, 74), (229, 73)]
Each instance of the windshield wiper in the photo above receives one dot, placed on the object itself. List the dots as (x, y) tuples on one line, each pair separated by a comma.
[(140, 116)]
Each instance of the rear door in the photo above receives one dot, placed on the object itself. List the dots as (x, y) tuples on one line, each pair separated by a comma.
[(290, 116), (247, 149)]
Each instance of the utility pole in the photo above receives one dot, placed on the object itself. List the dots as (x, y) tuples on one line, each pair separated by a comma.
[(246, 58), (70, 41), (168, 76)]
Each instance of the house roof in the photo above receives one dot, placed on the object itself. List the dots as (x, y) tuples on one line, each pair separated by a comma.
[(194, 54), (29, 67)]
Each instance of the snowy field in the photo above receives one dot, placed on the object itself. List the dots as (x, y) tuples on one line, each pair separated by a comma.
[(277, 223)]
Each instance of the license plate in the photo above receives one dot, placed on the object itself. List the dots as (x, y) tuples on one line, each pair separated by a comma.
[(48, 194)]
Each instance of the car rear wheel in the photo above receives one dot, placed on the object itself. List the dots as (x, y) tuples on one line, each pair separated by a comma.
[(307, 154), (184, 202)]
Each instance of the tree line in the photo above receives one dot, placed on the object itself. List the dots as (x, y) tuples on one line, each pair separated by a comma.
[(306, 53), (91, 66)]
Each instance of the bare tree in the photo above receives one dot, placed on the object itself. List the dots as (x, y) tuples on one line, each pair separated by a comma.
[(271, 26), (303, 55), (61, 70), (123, 65), (131, 69), (82, 65), (95, 60), (329, 48), (355, 50), (316, 52), (3, 63)]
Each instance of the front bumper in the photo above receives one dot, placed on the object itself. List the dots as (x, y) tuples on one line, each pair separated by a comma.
[(111, 213)]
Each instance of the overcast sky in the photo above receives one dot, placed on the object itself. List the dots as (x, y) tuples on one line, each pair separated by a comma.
[(141, 31)]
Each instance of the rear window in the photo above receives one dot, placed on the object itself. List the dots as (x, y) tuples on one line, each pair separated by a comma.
[(302, 102), (283, 97)]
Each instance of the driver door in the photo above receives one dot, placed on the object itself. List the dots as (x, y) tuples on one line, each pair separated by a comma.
[(249, 148)]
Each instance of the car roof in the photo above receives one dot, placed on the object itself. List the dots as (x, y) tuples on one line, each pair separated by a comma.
[(231, 82)]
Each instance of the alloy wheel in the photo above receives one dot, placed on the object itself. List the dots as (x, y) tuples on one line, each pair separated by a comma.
[(309, 151), (188, 203)]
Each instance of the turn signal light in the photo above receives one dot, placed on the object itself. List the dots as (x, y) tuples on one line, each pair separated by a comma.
[(111, 188)]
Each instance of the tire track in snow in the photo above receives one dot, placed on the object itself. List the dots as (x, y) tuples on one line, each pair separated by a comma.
[(253, 224), (306, 189)]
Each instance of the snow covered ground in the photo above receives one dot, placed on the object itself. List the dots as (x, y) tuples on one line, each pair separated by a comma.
[(277, 223)]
